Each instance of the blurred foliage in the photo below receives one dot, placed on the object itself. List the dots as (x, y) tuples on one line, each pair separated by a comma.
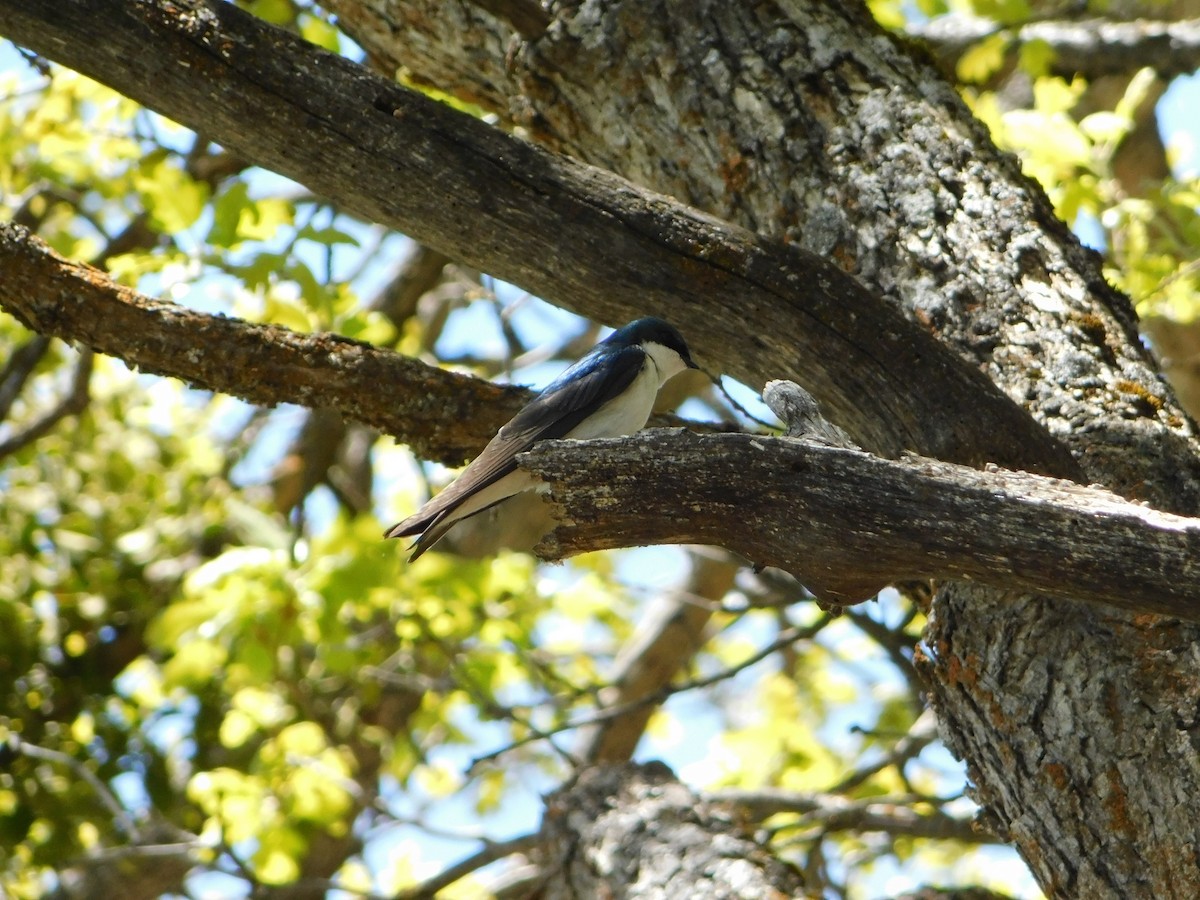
[(182, 664)]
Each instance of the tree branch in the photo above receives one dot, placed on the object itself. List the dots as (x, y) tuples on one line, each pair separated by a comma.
[(665, 641), (847, 523), (1091, 48), (73, 404), (17, 370), (498, 203), (490, 852), (121, 817), (443, 415), (921, 735), (833, 813)]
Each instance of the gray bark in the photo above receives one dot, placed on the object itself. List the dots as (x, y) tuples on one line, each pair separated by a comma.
[(635, 832), (847, 524)]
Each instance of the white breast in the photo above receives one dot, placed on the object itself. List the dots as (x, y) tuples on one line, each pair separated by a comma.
[(624, 414)]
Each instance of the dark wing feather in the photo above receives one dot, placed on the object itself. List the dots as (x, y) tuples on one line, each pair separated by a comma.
[(570, 399)]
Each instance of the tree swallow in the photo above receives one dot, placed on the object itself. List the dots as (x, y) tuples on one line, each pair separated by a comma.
[(608, 393)]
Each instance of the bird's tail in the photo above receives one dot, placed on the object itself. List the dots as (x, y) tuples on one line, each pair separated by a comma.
[(430, 528)]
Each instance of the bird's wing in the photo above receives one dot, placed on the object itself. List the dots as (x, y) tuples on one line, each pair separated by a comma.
[(551, 414)]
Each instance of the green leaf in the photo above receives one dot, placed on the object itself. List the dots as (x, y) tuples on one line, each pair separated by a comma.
[(172, 198), (227, 213), (317, 31), (194, 664), (1036, 57), (1105, 127), (238, 218), (887, 13), (983, 60), (1008, 12)]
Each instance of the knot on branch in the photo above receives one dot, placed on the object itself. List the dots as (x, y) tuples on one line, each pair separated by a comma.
[(800, 414)]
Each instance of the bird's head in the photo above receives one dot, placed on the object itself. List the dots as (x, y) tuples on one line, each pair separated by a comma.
[(661, 341)]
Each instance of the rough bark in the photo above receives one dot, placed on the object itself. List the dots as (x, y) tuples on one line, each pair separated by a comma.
[(846, 523), (634, 831)]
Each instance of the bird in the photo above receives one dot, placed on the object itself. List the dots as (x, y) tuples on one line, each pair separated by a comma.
[(610, 392)]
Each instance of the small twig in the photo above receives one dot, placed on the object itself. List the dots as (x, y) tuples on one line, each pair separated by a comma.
[(133, 851), (492, 851), (719, 384), (74, 403), (1185, 271), (788, 637), (892, 642), (921, 735), (30, 214), (121, 816), (320, 887), (830, 812), (815, 870), (37, 62), (240, 866), (18, 369), (489, 705), (785, 639)]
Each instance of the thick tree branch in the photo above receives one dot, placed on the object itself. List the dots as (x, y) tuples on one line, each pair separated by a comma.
[(444, 415), (1092, 48), (846, 523), (1130, 556), (393, 156)]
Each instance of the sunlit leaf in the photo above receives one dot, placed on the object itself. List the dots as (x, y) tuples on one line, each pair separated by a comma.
[(983, 60)]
